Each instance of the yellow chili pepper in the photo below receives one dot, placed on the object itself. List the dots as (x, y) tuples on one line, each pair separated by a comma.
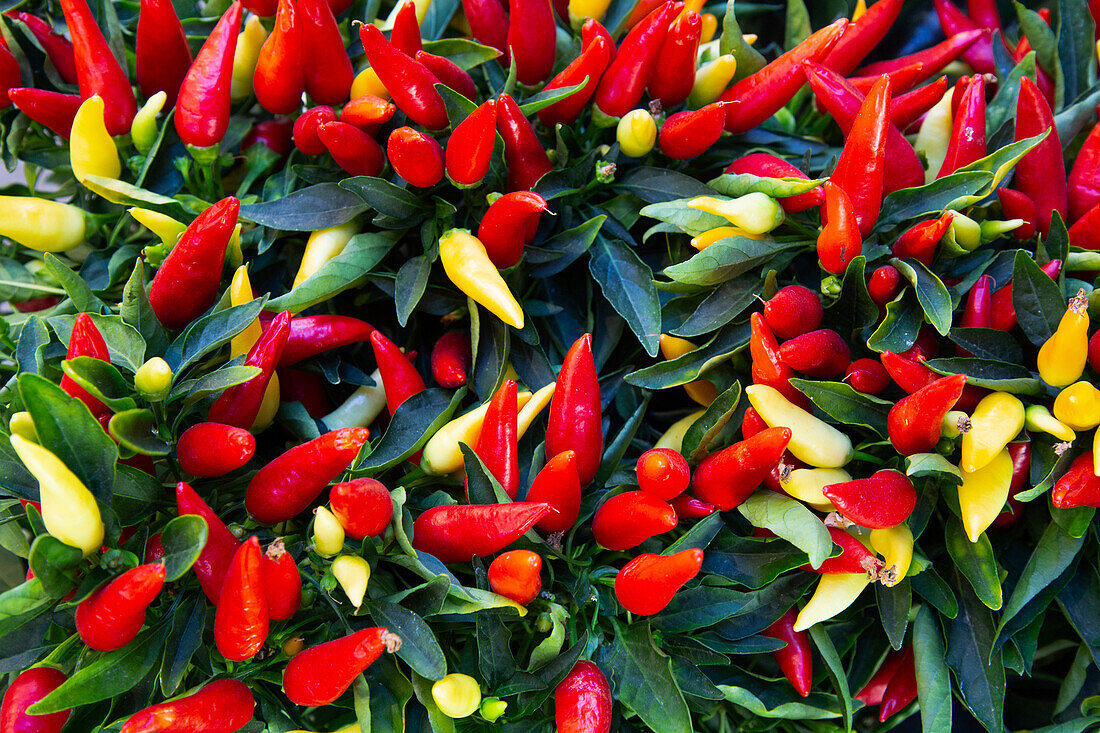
[(22, 424), (360, 408), (240, 292), (492, 708), (754, 212), (674, 437), (367, 82), (812, 441), (983, 494), (269, 406), (323, 245), (167, 229), (711, 79), (469, 268), (701, 391), (833, 594), (41, 224), (997, 419), (1038, 418), (710, 28), (964, 234), (896, 547), (750, 38), (245, 56), (143, 130), (352, 573), (636, 133), (708, 238), (457, 695), (535, 405), (328, 533), (442, 454), (69, 510), (860, 9), (153, 379), (934, 136), (1062, 357), (92, 150), (421, 11), (805, 484), (581, 10), (1078, 406)]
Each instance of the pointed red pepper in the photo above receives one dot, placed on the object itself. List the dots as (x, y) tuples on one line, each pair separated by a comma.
[(449, 73), (457, 532), (1016, 205), (497, 444), (558, 485), (623, 84), (451, 357), (221, 545), (1084, 178), (162, 55), (647, 583), (399, 377), (240, 404), (211, 449), (862, 36), (884, 284), (524, 155), (58, 48), (840, 241), (629, 519), (405, 35), (312, 335), (308, 126), (871, 693), (322, 673), (767, 165), (901, 80), (726, 478), (821, 354), (1078, 486), (363, 506), (767, 366), (688, 507), (909, 374), (854, 557), (509, 225), (114, 613), (97, 69), (671, 82), (663, 472), (202, 108), (692, 132), (1085, 232), (920, 241), (795, 659), (408, 81), (31, 685), (282, 582), (984, 13), (328, 72), (862, 163), (575, 421), (902, 688), (280, 78), (914, 424), (241, 619), (979, 55), (934, 59), (907, 108), (967, 142), (469, 150), (978, 309), (867, 376), (356, 152), (597, 49), (532, 39), (415, 156), (884, 500), (1041, 174), (488, 21), (85, 340)]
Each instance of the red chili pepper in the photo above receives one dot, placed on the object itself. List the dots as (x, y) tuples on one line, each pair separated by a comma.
[(795, 659), (221, 544), (161, 56), (1041, 174), (979, 54), (154, 549), (320, 674), (920, 241), (312, 335), (415, 156), (97, 69), (11, 76), (901, 80), (559, 486), (240, 404), (1094, 351), (764, 93), (282, 583), (854, 557), (629, 519), (1085, 232), (114, 613), (275, 135), (509, 225), (767, 165), (202, 108), (884, 284), (886, 499), (692, 132), (356, 152), (287, 485), (688, 507), (934, 59), (821, 354), (262, 8), (1084, 178), (597, 49), (457, 532), (405, 35), (328, 72), (408, 81), (978, 312), (212, 449), (280, 77), (914, 424), (1078, 486), (575, 421), (623, 83), (50, 109), (307, 129), (399, 377), (515, 575), (968, 130), (752, 423), (726, 478), (840, 240), (902, 688), (1021, 474), (497, 444), (767, 366), (488, 21), (582, 701), (871, 693), (862, 36), (862, 163), (367, 112), (984, 13), (30, 686), (308, 388), (470, 146), (663, 472), (85, 340), (363, 506), (671, 83), (58, 48), (451, 360), (449, 73), (241, 618), (909, 374), (222, 706), (907, 108), (532, 39), (524, 155), (647, 583), (187, 282), (793, 311)]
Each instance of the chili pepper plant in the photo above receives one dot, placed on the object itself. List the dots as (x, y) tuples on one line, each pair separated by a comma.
[(576, 365)]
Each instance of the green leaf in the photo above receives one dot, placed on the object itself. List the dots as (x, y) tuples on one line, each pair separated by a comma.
[(55, 564), (770, 700), (898, 330), (893, 609), (835, 669), (22, 603), (627, 283), (737, 185), (988, 343), (722, 305), (931, 293), (976, 563), (101, 380), (732, 41), (654, 185), (854, 311), (798, 26), (932, 464), (998, 375), (137, 430), (846, 405), (980, 674), (362, 253), (791, 520), (932, 198), (688, 367), (701, 434), (726, 259), (933, 679), (750, 562), (183, 642), (385, 197), (482, 486), (183, 539), (419, 648), (934, 589), (124, 344), (1038, 300), (563, 248), (494, 657), (211, 332), (642, 679), (127, 194), (416, 420), (212, 383), (464, 52), (308, 209), (412, 280), (75, 287), (547, 97), (439, 722), (1051, 556), (698, 608), (1076, 47)]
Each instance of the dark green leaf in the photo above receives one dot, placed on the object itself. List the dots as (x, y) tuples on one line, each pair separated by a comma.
[(934, 589), (361, 255), (642, 679), (308, 209), (988, 343), (627, 283), (998, 375), (791, 520), (899, 328), (54, 563), (74, 285), (419, 648), (137, 430), (125, 345), (101, 380), (183, 539), (976, 563), (412, 279), (210, 332), (931, 293), (752, 563), (980, 675), (893, 609), (722, 305), (844, 404), (770, 700), (726, 259), (385, 197), (660, 184), (688, 367), (415, 421), (698, 608), (854, 311), (1038, 301), (933, 680), (835, 669), (701, 434)]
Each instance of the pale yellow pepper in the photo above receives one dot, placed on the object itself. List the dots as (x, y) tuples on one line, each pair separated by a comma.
[(812, 440), (167, 229), (457, 695), (1038, 418), (708, 238), (834, 593), (352, 573), (92, 150), (997, 419), (636, 133), (328, 533), (323, 245), (528, 412), (153, 379), (754, 212), (983, 494), (468, 266), (581, 10), (367, 82), (143, 130), (41, 224), (711, 79), (673, 438), (1078, 406), (240, 292), (806, 484), (360, 408), (710, 28), (860, 9), (934, 136), (701, 391), (895, 544), (1062, 357), (22, 424), (245, 56)]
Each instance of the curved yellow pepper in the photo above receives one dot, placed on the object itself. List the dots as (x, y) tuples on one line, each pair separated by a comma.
[(701, 391), (636, 133), (710, 28), (674, 437), (457, 695), (983, 494), (834, 593), (143, 130), (805, 484), (896, 547), (69, 510), (367, 82), (323, 245), (1062, 357), (535, 405), (22, 424), (360, 408), (1078, 406), (441, 453), (167, 229), (581, 10), (708, 238), (469, 268), (997, 419), (245, 56), (328, 533), (240, 292), (813, 441), (860, 9), (92, 150), (711, 79), (1038, 418), (41, 224), (757, 213), (153, 379), (352, 573), (934, 136)]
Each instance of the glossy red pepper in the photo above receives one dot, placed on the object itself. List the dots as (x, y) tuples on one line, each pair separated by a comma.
[(488, 21), (854, 557), (752, 423), (470, 147), (914, 424), (202, 108), (1016, 205), (312, 335), (30, 686), (884, 284), (241, 619), (449, 73), (767, 165), (113, 615), (979, 54), (862, 36), (663, 472), (222, 706), (908, 108), (886, 499), (821, 354), (647, 583), (282, 583), (212, 449), (1085, 232), (451, 360), (162, 55), (1084, 177), (187, 282), (509, 225), (275, 135), (368, 113), (902, 688), (627, 520), (497, 443), (767, 366), (934, 59), (792, 311), (320, 674), (221, 545), (515, 575), (921, 240), (399, 377), (909, 374), (726, 478), (559, 486), (582, 701), (871, 693), (862, 163), (363, 506), (307, 128), (532, 39), (795, 659), (408, 81), (154, 548), (58, 48), (85, 340), (1021, 474), (50, 109), (967, 142), (280, 78), (984, 13), (671, 83), (11, 76), (978, 311), (1078, 486), (623, 83), (457, 532), (1041, 174), (405, 35), (692, 132), (840, 240), (356, 152), (328, 72), (286, 486), (415, 156), (901, 81), (524, 155), (97, 70), (688, 507), (240, 404), (575, 421), (597, 49)]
